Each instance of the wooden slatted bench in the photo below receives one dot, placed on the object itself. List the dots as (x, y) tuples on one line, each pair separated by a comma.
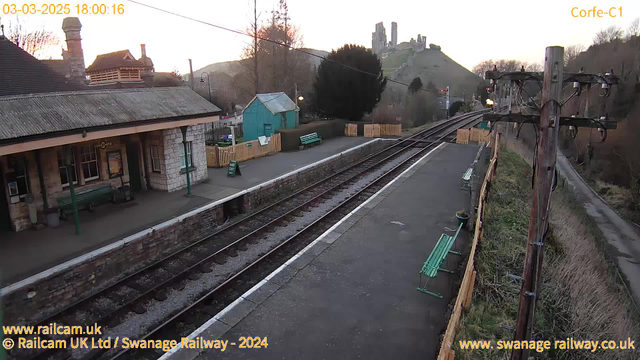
[(86, 198), (310, 139), (438, 254)]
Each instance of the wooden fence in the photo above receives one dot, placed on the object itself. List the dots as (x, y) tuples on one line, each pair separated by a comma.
[(462, 136), (378, 130), (465, 294), (221, 156), (479, 135), (350, 129)]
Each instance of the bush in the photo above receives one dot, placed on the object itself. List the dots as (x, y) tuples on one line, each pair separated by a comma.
[(326, 129)]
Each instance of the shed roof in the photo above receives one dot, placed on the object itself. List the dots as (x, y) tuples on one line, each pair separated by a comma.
[(115, 60), (276, 102), (32, 115)]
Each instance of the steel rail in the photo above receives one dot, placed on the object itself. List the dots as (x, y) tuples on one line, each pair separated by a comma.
[(287, 241)]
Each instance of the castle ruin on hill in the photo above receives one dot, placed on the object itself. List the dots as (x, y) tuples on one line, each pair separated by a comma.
[(380, 45)]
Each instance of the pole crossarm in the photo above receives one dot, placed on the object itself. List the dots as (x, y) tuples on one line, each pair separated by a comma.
[(582, 78), (564, 120)]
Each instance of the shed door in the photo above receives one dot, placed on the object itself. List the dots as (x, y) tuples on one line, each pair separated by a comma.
[(268, 130)]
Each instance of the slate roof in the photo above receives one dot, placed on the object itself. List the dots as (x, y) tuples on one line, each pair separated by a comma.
[(59, 66), (57, 114), (114, 60), (21, 73), (276, 102)]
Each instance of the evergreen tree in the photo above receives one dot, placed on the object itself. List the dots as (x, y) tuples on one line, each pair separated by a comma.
[(348, 93)]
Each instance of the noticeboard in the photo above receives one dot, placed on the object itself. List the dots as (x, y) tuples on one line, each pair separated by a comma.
[(114, 164), (234, 168)]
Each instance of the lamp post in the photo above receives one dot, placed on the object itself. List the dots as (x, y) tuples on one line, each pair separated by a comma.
[(67, 153), (208, 82)]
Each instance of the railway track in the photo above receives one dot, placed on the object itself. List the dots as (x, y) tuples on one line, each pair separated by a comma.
[(197, 272)]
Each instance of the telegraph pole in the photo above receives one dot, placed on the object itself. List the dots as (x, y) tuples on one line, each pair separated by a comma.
[(549, 121), (541, 204)]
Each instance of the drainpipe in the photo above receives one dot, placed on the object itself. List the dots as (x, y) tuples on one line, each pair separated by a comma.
[(67, 151), (186, 159)]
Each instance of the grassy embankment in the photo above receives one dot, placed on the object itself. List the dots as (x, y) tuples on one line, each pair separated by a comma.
[(580, 296)]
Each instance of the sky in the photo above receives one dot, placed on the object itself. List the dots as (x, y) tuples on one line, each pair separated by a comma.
[(468, 31)]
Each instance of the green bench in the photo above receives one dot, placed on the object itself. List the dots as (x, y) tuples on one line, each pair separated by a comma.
[(86, 198), (466, 178), (310, 139), (438, 254)]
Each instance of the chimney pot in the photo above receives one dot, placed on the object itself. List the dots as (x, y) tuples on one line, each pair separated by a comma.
[(143, 50)]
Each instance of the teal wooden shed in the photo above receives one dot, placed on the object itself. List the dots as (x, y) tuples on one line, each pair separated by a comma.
[(267, 113)]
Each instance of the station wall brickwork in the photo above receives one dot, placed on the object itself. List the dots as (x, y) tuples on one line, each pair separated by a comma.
[(39, 300)]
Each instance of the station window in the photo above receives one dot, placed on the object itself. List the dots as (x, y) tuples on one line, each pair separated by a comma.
[(155, 158), (17, 179), (89, 162), (64, 179), (189, 155)]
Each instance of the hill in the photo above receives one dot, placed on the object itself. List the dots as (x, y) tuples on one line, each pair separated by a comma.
[(430, 65), (235, 67)]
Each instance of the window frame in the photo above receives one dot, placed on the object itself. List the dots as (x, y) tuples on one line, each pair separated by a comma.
[(156, 160), (95, 159), (60, 156), (182, 156)]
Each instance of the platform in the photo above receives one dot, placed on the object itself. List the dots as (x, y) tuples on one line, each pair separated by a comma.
[(352, 292), (29, 252)]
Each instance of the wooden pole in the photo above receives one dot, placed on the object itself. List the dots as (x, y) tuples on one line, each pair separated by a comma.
[(541, 204)]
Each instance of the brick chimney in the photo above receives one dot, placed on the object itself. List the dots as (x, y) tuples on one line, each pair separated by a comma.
[(74, 55), (147, 73)]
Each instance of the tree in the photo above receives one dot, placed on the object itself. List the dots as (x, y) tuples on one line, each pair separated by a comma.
[(349, 91), (634, 28), (610, 34), (280, 67), (416, 85), (36, 42), (502, 65), (571, 52)]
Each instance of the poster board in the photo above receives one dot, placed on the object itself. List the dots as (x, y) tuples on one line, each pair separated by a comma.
[(114, 163), (233, 169)]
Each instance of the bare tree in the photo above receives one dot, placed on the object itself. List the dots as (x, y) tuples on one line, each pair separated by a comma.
[(571, 52), (36, 42), (501, 65), (280, 67), (533, 67), (634, 28), (610, 34)]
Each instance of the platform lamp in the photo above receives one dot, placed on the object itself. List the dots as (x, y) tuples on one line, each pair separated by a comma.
[(67, 153), (208, 82)]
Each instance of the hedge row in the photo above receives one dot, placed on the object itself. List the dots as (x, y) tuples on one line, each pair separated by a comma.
[(326, 129)]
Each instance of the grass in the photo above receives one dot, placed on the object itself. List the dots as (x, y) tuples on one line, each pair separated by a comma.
[(581, 296), (396, 59)]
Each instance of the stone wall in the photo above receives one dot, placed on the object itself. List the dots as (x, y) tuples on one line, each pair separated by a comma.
[(173, 147), (90, 273)]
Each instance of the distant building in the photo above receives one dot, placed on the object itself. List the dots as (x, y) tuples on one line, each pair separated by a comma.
[(267, 113), (394, 34), (379, 39), (122, 68), (118, 69)]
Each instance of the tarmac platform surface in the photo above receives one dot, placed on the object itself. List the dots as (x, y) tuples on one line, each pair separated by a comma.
[(29, 252), (352, 292)]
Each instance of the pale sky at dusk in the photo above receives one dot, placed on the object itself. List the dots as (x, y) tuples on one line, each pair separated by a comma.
[(468, 31)]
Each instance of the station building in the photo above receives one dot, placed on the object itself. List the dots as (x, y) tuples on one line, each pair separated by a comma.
[(129, 138)]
